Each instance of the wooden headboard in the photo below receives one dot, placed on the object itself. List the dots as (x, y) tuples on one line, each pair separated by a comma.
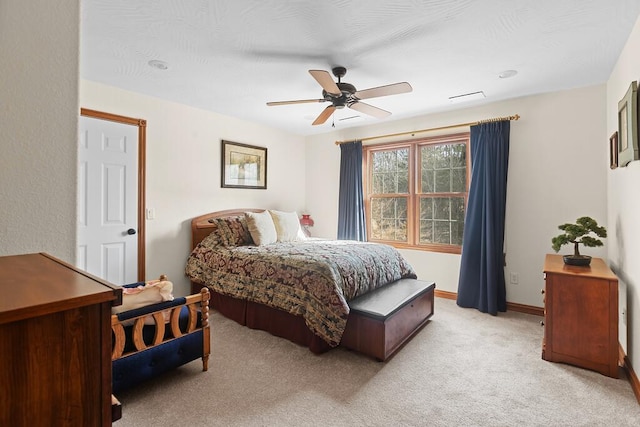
[(201, 227)]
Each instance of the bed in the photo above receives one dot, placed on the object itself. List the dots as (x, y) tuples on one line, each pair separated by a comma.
[(280, 287)]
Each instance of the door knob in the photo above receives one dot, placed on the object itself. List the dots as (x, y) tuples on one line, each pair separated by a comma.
[(131, 232)]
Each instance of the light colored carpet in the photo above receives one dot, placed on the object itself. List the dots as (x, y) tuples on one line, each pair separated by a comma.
[(464, 368)]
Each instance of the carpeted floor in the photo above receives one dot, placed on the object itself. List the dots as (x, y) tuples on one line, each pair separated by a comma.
[(464, 368)]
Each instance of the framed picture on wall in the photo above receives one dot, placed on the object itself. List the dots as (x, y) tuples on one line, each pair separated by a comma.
[(613, 151), (243, 166), (628, 126)]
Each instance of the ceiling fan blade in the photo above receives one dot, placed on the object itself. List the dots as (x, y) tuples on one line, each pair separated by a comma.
[(300, 101), (326, 113), (392, 89), (326, 81), (370, 110)]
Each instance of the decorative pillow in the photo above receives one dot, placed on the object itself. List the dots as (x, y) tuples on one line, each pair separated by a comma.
[(151, 292), (261, 227), (213, 239), (232, 231), (287, 226)]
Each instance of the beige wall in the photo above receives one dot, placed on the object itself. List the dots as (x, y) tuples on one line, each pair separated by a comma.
[(560, 140), (624, 205), (39, 50), (183, 170)]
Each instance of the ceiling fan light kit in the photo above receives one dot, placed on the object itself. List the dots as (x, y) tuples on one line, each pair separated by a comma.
[(341, 94)]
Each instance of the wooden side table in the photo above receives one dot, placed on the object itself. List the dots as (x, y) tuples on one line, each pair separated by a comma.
[(581, 315)]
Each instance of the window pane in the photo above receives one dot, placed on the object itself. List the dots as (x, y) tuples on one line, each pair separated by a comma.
[(443, 181), (458, 180), (443, 168), (389, 183), (389, 219), (457, 220), (442, 208), (391, 171), (403, 183), (458, 155), (441, 220), (428, 180), (456, 233), (378, 183), (383, 161), (442, 156), (426, 231), (441, 232), (426, 208), (457, 209)]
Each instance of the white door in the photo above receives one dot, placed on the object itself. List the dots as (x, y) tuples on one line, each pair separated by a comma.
[(108, 200)]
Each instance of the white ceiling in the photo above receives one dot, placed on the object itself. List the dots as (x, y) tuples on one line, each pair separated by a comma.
[(232, 56)]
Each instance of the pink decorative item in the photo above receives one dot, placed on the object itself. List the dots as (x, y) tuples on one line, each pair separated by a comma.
[(306, 222)]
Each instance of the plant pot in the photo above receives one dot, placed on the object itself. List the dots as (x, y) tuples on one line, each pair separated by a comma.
[(579, 260)]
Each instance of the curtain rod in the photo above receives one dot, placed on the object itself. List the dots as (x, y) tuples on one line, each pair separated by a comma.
[(495, 119)]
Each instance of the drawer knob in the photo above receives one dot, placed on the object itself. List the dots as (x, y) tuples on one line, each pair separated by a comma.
[(542, 323), (542, 291)]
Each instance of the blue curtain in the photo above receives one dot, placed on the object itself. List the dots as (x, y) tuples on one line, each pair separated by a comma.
[(351, 223), (482, 283)]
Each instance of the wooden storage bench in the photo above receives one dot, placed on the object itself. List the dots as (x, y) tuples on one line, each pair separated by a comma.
[(381, 321)]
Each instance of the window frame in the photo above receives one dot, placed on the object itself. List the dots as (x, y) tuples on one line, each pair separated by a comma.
[(413, 197)]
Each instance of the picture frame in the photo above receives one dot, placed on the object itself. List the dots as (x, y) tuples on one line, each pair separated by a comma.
[(613, 150), (243, 166), (628, 126)]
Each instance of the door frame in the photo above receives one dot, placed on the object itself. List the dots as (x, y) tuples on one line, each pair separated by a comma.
[(142, 143)]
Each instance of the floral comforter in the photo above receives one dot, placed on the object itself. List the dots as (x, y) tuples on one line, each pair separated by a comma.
[(311, 278)]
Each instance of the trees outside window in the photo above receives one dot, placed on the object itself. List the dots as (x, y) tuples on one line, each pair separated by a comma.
[(416, 192)]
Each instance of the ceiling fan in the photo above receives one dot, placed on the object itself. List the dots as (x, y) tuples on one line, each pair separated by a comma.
[(342, 95)]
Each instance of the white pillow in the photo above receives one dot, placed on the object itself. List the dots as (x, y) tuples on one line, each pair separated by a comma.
[(261, 227), (287, 226)]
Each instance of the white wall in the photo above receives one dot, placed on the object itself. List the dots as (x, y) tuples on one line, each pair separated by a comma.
[(557, 172), (624, 205), (39, 47), (183, 170)]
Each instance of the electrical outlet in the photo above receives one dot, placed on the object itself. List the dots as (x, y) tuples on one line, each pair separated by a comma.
[(513, 278)]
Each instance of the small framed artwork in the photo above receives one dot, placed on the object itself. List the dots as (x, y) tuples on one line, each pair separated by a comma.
[(243, 166), (613, 151), (628, 126)]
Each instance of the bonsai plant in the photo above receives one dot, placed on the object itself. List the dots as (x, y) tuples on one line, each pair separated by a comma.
[(580, 232)]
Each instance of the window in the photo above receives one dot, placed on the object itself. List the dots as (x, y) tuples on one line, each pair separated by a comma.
[(416, 192)]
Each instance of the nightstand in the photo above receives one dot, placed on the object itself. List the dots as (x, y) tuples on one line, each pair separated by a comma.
[(581, 315)]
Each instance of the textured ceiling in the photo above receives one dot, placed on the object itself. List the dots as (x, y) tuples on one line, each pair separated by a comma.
[(233, 56)]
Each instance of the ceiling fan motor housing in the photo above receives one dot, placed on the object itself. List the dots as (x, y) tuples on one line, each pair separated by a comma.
[(346, 97)]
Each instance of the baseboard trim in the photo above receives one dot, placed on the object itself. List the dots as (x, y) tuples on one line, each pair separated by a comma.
[(521, 308), (445, 294), (625, 363)]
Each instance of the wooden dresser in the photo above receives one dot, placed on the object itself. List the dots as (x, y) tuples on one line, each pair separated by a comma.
[(55, 343), (581, 315)]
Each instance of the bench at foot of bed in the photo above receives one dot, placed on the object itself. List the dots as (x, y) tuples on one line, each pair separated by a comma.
[(381, 321)]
